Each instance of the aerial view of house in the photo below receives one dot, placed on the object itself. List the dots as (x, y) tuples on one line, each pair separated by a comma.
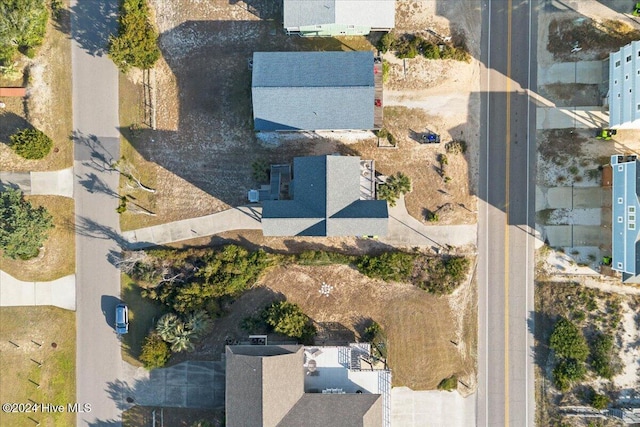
[(625, 208), (330, 196), (315, 91), (320, 18), (293, 385), (624, 87)]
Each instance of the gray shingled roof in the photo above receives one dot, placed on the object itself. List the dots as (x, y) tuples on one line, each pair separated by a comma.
[(335, 410), (366, 13), (261, 383), (326, 202), (313, 90)]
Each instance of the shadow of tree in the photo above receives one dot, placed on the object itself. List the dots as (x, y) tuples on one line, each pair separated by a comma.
[(89, 23)]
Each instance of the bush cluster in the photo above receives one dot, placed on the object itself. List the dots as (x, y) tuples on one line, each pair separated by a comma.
[(441, 275), (30, 143), (410, 46), (200, 279), (390, 266), (136, 44), (155, 352), (602, 351), (284, 318), (571, 351)]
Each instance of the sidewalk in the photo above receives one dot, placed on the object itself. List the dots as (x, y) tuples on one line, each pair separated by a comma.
[(60, 292), (54, 183)]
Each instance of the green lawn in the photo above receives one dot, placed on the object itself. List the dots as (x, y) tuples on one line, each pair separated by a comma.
[(142, 316), (26, 326)]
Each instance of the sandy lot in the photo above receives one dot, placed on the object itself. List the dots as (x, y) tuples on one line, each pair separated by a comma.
[(426, 334)]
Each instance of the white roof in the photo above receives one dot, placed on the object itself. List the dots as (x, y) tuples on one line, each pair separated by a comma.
[(624, 87)]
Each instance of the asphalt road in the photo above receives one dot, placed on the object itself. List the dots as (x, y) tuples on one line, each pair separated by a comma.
[(95, 120), (506, 191)]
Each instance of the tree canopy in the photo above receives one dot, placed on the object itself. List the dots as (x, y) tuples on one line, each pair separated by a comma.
[(136, 44), (23, 24), (23, 227), (288, 319), (395, 186)]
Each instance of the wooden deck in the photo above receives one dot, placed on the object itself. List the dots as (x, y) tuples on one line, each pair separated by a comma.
[(378, 122)]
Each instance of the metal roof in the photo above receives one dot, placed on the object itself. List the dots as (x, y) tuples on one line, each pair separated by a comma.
[(326, 202), (367, 13), (313, 90), (624, 87), (625, 208)]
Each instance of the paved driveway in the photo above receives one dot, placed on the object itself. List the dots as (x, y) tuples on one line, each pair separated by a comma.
[(590, 117), (581, 72), (193, 384), (431, 408)]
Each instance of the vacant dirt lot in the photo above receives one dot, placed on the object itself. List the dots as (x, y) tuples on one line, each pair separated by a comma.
[(47, 105), (200, 156), (435, 337), (26, 335)]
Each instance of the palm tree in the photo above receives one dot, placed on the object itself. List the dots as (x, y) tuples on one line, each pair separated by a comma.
[(182, 339), (198, 322), (167, 326)]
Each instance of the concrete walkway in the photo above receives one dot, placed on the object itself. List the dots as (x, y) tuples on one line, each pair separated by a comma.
[(241, 218), (60, 292), (54, 183)]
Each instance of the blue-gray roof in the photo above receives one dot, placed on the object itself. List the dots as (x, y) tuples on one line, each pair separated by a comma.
[(326, 202), (625, 208), (367, 13), (313, 90)]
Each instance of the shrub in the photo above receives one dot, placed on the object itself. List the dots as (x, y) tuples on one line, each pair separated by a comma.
[(288, 319), (386, 42), (323, 258), (456, 147), (23, 24), (567, 371), (386, 68), (568, 342), (433, 217), (155, 352), (599, 401), (441, 275), (371, 331), (23, 228), (396, 266), (449, 383), (602, 353), (31, 143), (406, 46), (136, 43)]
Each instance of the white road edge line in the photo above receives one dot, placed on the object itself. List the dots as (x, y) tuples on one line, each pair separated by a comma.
[(486, 208), (528, 236)]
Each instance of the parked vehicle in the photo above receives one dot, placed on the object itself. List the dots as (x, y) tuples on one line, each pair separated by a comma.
[(122, 319), (430, 138)]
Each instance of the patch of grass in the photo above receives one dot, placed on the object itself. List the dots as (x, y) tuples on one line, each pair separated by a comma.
[(56, 377), (57, 258), (143, 313)]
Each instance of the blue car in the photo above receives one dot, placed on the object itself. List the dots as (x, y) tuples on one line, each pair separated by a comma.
[(122, 319)]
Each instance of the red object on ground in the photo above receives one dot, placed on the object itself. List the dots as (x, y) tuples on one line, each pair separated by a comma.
[(378, 103), (13, 91)]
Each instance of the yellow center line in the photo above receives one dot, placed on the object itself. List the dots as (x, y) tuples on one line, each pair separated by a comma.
[(506, 227)]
